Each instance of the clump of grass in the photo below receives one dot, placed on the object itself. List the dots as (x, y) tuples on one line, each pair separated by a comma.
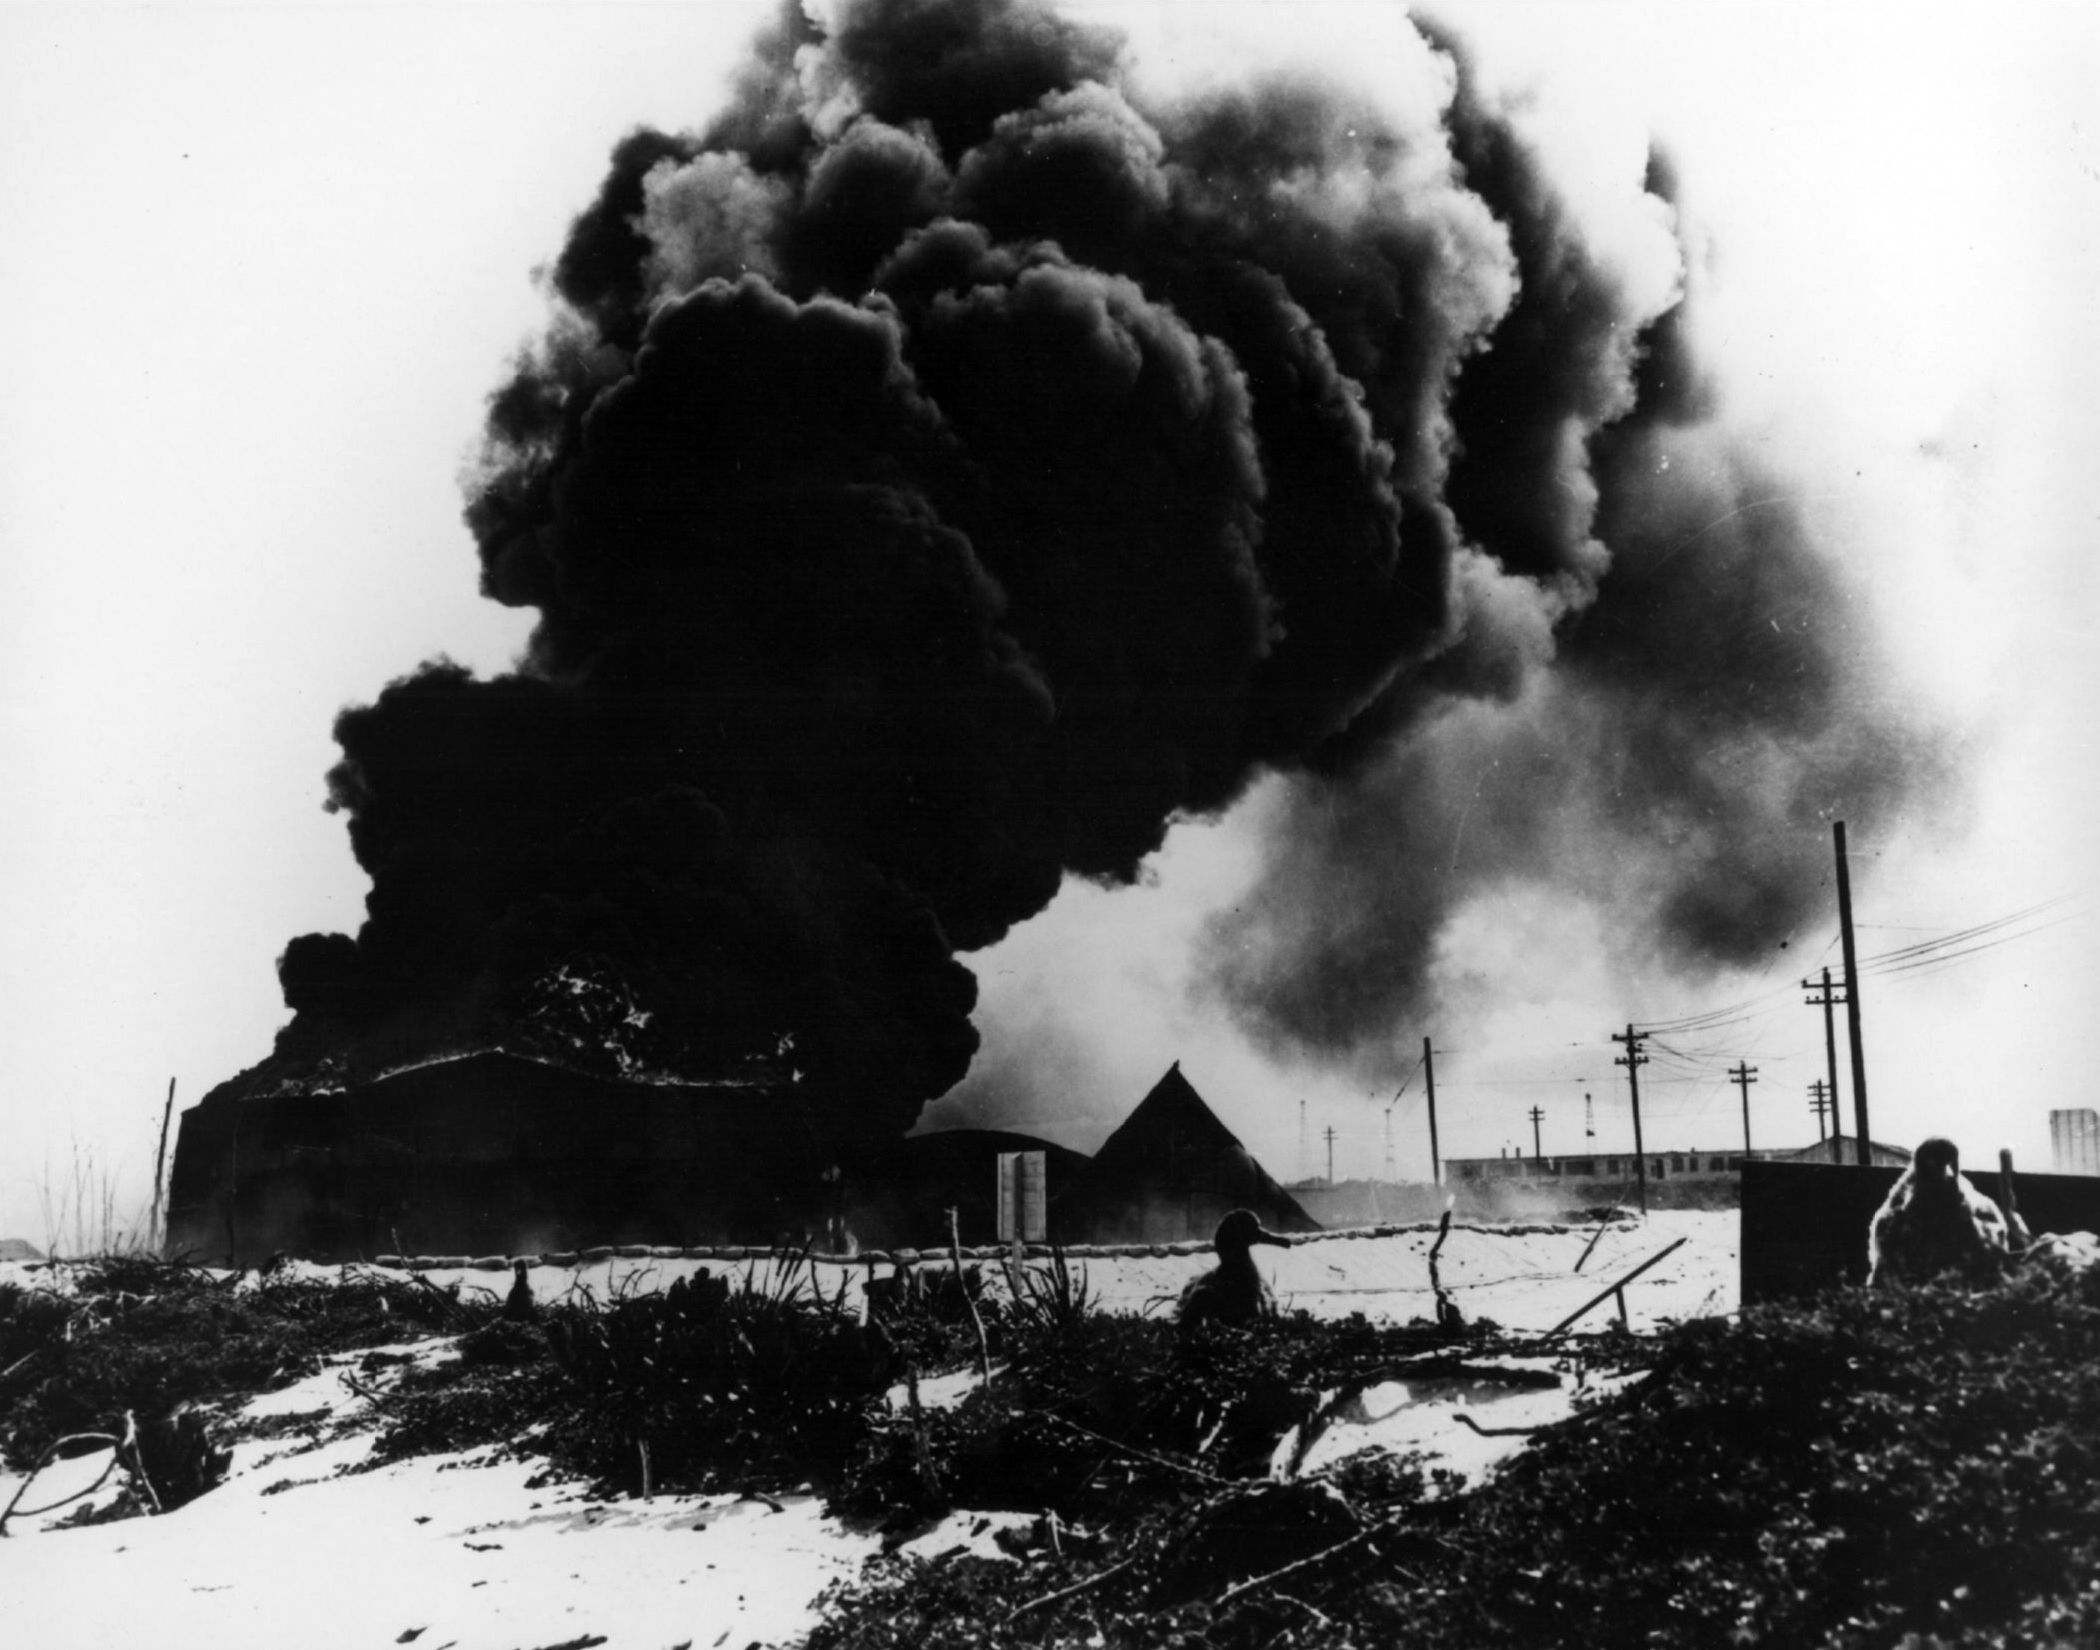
[(770, 1380), (1049, 1301), (1099, 1415), (1913, 1468), (144, 1336), (763, 1383), (1918, 1461)]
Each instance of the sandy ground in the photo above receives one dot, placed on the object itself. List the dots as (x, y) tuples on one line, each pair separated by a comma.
[(469, 1553), (1522, 1277)]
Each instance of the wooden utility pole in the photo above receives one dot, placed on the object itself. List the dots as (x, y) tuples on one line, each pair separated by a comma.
[(1537, 1154), (1436, 1163), (154, 1235), (1330, 1154), (1819, 1102), (1633, 1059), (1859, 1048), (1744, 1076), (1827, 996)]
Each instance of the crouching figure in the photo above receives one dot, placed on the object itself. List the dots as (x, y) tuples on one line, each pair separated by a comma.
[(1933, 1222), (1233, 1291)]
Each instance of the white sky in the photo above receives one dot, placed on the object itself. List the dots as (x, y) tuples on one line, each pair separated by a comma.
[(259, 266)]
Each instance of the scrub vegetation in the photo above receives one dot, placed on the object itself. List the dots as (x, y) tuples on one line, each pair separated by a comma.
[(1910, 1467)]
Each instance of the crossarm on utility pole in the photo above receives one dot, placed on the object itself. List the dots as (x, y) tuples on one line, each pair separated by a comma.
[(1610, 1290)]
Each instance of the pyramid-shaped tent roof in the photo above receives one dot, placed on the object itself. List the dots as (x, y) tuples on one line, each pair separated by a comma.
[(1173, 1142)]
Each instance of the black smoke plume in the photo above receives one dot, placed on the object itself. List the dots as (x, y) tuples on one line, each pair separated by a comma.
[(1711, 704), (948, 468)]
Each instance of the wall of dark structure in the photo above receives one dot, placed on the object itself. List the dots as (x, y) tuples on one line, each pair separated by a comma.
[(900, 1197), (1805, 1224), (490, 1154), (1160, 1199)]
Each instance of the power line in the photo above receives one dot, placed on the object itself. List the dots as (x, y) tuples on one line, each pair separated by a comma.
[(1961, 935), (1409, 1078), (1945, 957), (1891, 961)]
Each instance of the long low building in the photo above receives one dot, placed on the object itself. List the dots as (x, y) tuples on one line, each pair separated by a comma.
[(1672, 1176), (1663, 1165)]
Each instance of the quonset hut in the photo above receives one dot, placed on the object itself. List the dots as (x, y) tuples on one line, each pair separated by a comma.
[(489, 1151)]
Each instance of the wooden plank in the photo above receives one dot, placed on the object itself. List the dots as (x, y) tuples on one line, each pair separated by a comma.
[(1618, 1288)]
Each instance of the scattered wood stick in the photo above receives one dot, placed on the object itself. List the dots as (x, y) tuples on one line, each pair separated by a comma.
[(1610, 1290), (1445, 1366), (19, 1362), (1093, 1580), (370, 1394), (449, 1296), (1140, 1454), (922, 1451), (1320, 1616), (962, 1284), (1443, 1230), (14, 1506), (1233, 1595), (1448, 1316), (137, 1460), (1466, 1420)]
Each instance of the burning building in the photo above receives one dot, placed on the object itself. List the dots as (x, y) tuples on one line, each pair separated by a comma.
[(951, 465), (490, 1152)]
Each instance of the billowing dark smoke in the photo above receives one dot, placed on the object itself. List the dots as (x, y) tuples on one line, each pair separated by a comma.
[(1711, 707), (946, 469)]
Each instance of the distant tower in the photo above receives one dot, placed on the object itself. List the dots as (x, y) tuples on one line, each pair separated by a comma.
[(1304, 1146), (1589, 1118)]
